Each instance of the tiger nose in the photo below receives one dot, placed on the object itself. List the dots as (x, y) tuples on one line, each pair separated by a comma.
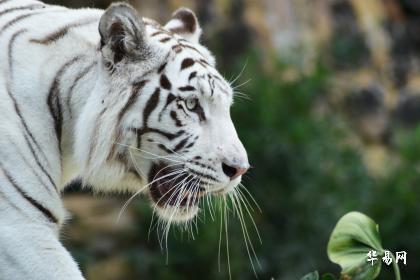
[(233, 172)]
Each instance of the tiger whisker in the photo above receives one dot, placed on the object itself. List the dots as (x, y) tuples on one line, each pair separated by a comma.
[(141, 189), (193, 196), (220, 236), (237, 197), (241, 95), (172, 150), (170, 158), (166, 230), (168, 224), (172, 187), (243, 228), (241, 85), (240, 196), (160, 222), (231, 82), (251, 196), (138, 170), (227, 237)]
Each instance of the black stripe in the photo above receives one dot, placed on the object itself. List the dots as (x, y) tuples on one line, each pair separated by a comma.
[(188, 62), (10, 48), (161, 68), (94, 138), (30, 7), (181, 144), (174, 116), (133, 98), (191, 48), (25, 160), (53, 100), (157, 33), (202, 175), (75, 82), (135, 92), (40, 165), (164, 82), (187, 88), (15, 20), (33, 169), (61, 32), (47, 213), (168, 135), (202, 164), (190, 145), (164, 40), (25, 16), (19, 113), (203, 61), (10, 57), (177, 48), (169, 100), (211, 82), (192, 76), (200, 112), (151, 106), (164, 148)]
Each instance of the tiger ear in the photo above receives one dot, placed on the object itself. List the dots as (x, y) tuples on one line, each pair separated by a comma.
[(185, 23), (122, 33)]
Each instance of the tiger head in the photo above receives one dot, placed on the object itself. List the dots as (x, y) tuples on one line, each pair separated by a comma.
[(158, 120)]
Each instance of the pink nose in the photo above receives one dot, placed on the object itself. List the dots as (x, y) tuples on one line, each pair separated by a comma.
[(233, 172)]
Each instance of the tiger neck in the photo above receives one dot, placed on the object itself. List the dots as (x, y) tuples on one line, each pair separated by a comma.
[(83, 77)]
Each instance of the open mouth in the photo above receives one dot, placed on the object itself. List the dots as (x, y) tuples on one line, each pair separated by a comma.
[(174, 187)]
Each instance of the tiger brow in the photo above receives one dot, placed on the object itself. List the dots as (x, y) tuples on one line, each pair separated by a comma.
[(187, 88)]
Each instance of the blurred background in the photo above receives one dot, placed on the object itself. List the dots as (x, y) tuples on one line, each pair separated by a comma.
[(331, 126)]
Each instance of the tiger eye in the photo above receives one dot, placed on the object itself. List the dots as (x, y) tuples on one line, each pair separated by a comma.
[(191, 103)]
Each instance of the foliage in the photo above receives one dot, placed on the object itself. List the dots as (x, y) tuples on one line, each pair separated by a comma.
[(355, 245), (354, 236)]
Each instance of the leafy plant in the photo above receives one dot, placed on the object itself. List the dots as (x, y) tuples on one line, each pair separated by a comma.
[(355, 237)]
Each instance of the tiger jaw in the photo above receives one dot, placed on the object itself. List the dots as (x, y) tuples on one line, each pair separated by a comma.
[(176, 194)]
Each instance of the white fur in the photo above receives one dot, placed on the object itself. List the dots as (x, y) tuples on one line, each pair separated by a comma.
[(29, 244)]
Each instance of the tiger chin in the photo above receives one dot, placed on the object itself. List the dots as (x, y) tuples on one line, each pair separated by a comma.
[(116, 99)]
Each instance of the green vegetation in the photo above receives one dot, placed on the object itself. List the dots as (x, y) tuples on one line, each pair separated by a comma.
[(355, 245), (354, 237)]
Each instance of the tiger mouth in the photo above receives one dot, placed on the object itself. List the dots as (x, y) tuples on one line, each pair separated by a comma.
[(170, 187)]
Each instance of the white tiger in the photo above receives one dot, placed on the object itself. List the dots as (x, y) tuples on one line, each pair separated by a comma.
[(135, 107)]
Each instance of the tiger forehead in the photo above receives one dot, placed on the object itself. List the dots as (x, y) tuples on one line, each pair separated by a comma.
[(202, 76), (196, 75)]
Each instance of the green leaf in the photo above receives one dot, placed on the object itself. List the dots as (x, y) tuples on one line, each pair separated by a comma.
[(351, 240), (311, 276)]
